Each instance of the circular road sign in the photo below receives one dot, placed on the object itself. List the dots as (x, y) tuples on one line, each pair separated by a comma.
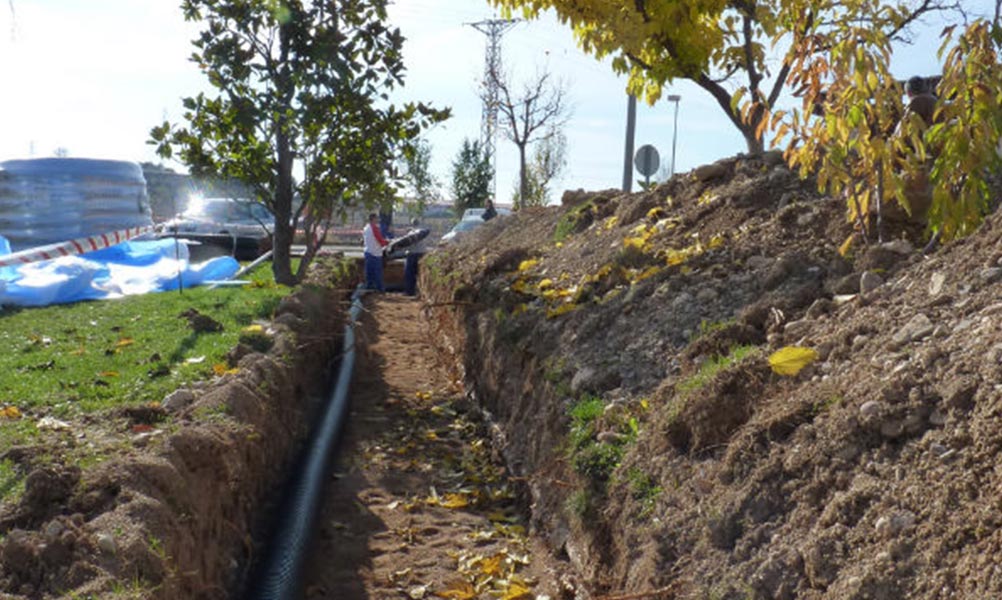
[(647, 160)]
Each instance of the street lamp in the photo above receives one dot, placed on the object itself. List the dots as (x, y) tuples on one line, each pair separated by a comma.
[(674, 134)]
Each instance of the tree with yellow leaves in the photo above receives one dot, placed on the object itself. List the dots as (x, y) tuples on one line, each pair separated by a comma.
[(721, 45)]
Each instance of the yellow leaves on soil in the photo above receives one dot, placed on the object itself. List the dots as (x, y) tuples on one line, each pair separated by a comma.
[(791, 360), (223, 369), (526, 265), (11, 413), (125, 342), (458, 590)]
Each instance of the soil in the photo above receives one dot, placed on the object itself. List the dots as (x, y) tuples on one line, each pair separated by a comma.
[(705, 473), (604, 368), (418, 507)]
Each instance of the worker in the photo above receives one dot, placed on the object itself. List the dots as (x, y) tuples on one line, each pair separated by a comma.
[(489, 211), (414, 254), (374, 243)]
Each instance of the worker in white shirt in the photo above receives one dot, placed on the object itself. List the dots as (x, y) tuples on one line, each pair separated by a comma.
[(374, 243)]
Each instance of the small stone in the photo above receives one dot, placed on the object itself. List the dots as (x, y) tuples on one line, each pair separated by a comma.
[(53, 530), (859, 341), (892, 429), (990, 276), (683, 300), (106, 543), (936, 282), (903, 247), (710, 171), (819, 307), (938, 449), (705, 295), (870, 408), (937, 418), (915, 329), (797, 328), (756, 263), (869, 281), (178, 399)]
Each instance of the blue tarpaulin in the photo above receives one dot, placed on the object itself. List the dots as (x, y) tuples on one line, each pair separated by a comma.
[(134, 267)]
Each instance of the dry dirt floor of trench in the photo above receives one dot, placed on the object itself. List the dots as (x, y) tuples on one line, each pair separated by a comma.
[(417, 506)]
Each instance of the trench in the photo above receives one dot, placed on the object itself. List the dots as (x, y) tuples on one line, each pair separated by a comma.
[(417, 504)]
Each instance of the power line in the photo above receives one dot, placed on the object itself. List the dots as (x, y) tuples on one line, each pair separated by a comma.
[(494, 29)]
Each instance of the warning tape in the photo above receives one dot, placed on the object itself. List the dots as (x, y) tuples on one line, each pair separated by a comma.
[(77, 246)]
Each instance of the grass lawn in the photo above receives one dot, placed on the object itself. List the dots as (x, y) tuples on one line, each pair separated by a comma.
[(71, 360)]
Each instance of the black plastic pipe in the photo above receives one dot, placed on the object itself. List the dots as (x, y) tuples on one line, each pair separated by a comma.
[(281, 576)]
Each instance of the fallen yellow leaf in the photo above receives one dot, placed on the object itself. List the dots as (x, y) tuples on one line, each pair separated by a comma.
[(458, 590), (125, 342), (517, 591), (491, 566), (108, 374), (791, 360), (454, 501), (10, 412)]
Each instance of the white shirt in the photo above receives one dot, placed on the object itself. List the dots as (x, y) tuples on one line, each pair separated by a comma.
[(371, 243)]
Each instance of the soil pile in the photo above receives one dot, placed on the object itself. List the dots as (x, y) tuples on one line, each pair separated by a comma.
[(621, 344)]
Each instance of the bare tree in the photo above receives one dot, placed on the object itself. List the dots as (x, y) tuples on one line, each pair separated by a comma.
[(537, 113)]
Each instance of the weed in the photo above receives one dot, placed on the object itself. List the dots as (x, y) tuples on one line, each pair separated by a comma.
[(713, 366), (580, 503), (823, 406), (157, 546), (707, 327), (590, 457), (643, 487), (11, 481), (573, 221)]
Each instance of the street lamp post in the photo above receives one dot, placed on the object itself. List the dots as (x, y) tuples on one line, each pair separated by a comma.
[(674, 134)]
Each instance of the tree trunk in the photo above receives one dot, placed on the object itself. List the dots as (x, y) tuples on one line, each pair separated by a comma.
[(723, 98), (281, 264), (523, 178)]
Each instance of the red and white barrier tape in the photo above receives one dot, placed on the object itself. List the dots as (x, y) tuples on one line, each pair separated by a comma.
[(77, 246)]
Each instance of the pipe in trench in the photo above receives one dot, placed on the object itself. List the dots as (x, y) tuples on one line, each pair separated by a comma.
[(281, 574)]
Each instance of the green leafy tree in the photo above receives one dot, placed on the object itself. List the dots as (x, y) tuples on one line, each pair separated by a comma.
[(301, 110), (549, 158), (723, 46), (422, 185), (471, 177)]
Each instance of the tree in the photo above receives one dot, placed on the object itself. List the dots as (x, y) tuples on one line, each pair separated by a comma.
[(472, 174), (714, 43), (849, 131), (301, 109), (539, 112), (549, 158), (423, 185)]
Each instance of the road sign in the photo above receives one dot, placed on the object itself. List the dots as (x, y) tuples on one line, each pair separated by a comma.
[(647, 160)]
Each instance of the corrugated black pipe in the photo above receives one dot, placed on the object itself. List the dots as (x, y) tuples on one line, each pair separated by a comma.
[(281, 575)]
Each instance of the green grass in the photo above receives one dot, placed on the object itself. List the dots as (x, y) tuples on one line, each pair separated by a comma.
[(591, 458), (69, 360), (713, 366)]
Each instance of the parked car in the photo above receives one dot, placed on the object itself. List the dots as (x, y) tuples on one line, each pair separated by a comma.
[(460, 228), (241, 227)]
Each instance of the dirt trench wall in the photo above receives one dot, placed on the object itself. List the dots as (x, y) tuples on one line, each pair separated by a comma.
[(176, 518), (528, 418)]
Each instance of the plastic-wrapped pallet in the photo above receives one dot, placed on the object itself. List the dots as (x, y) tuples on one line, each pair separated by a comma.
[(49, 200)]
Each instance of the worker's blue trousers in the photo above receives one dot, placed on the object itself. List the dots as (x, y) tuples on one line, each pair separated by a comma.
[(374, 272)]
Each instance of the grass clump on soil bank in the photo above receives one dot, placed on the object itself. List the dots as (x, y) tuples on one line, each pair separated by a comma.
[(712, 366), (67, 361), (597, 441)]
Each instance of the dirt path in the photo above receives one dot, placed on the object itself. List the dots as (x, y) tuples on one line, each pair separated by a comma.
[(417, 509)]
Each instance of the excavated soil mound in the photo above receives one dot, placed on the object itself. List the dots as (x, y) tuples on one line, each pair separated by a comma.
[(621, 344)]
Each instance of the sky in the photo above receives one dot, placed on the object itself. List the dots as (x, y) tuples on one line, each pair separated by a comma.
[(92, 78)]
